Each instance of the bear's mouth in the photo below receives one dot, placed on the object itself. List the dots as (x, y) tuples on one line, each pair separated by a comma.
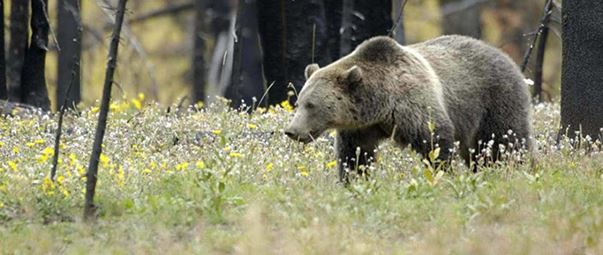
[(306, 137)]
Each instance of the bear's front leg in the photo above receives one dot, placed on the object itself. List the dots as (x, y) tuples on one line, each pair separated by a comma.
[(355, 151)]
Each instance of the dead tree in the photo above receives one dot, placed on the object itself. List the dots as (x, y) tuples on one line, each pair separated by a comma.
[(19, 15), (247, 81), (3, 87), (398, 30), (69, 37), (198, 61), (581, 79), (293, 35), (73, 84), (34, 91), (91, 175), (541, 36)]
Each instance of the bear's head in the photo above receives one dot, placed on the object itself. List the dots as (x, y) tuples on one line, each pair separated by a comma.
[(330, 99)]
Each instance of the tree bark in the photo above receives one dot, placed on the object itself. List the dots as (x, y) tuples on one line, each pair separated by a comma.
[(34, 91), (199, 67), (464, 21), (91, 175), (247, 81), (371, 18), (69, 37), (399, 34), (3, 87), (19, 10), (222, 15), (538, 69), (293, 35), (581, 78)]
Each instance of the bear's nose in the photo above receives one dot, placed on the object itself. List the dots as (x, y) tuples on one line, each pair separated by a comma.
[(290, 134)]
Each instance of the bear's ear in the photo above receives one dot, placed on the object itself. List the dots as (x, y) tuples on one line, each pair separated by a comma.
[(352, 76), (310, 69)]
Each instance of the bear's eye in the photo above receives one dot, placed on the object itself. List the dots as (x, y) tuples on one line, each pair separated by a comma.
[(310, 105)]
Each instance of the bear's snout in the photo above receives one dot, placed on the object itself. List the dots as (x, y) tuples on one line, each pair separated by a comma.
[(298, 135)]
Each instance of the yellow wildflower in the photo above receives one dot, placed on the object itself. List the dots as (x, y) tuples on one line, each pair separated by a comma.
[(48, 186), (217, 132), (182, 166), (104, 160), (200, 164), (235, 154), (269, 167), (287, 106), (12, 165), (141, 96), (146, 171), (303, 171), (137, 103), (332, 164), (15, 150), (252, 126)]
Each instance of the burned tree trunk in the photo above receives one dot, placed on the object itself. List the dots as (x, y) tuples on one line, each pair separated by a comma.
[(3, 88), (293, 35), (91, 175), (19, 15), (247, 82), (398, 33), (69, 37), (222, 14), (368, 19), (34, 91), (461, 17), (581, 93), (199, 67)]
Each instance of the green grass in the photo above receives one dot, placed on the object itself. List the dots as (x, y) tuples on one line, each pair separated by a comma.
[(219, 181)]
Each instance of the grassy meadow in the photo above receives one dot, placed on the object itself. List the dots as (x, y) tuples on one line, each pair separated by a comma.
[(218, 181)]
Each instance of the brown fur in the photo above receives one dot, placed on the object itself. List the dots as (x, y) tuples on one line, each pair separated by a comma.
[(472, 92)]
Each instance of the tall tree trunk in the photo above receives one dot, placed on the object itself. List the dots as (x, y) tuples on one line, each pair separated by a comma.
[(462, 17), (581, 90), (222, 15), (399, 33), (34, 91), (347, 27), (293, 35), (3, 88), (69, 39), (199, 66), (19, 15), (369, 19), (247, 81), (97, 147), (333, 12)]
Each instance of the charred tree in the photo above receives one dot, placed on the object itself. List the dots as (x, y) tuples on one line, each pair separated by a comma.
[(461, 17), (91, 175), (581, 91), (293, 35), (333, 12), (19, 15), (222, 16), (369, 19), (198, 65), (3, 87), (398, 31), (247, 81), (69, 37), (34, 91)]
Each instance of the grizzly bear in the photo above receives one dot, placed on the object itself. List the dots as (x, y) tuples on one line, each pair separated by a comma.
[(427, 95)]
